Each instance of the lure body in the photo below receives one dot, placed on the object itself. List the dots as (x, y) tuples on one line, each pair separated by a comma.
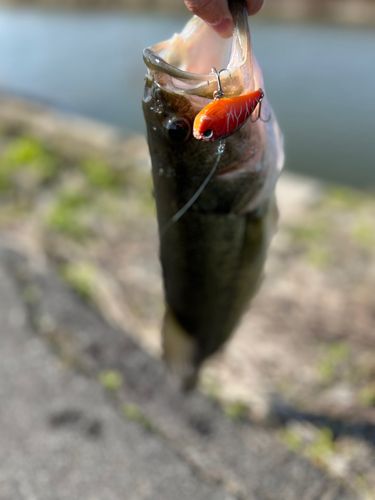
[(222, 117)]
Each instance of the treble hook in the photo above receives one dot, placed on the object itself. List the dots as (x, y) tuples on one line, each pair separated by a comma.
[(260, 110), (218, 94)]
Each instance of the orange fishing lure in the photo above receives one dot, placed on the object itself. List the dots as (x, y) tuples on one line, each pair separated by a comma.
[(222, 117)]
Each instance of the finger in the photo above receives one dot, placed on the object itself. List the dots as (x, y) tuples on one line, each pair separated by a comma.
[(254, 6), (215, 13)]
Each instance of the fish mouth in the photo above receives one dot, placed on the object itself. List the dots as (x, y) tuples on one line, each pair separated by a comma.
[(183, 63)]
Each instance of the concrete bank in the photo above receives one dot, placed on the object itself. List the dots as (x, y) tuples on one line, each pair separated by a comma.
[(61, 437)]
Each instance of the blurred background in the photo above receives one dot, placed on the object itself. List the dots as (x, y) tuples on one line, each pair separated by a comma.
[(75, 192)]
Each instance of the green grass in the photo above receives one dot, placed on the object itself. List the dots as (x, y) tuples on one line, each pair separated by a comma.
[(341, 197), (319, 447), (322, 447), (363, 233), (99, 174), (236, 410), (147, 202), (312, 231), (333, 362), (29, 156), (211, 388), (81, 277), (67, 213), (134, 413), (366, 396), (319, 256), (111, 380), (291, 439)]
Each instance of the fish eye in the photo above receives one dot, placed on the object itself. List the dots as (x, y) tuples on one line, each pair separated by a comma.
[(178, 129), (207, 134)]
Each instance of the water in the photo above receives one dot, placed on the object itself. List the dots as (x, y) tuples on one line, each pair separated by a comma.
[(319, 79)]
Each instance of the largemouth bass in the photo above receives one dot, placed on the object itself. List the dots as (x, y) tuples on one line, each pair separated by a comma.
[(212, 257)]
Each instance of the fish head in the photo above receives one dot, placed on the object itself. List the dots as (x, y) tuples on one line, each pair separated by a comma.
[(178, 85)]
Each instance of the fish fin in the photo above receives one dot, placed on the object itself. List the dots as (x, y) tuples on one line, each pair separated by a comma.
[(179, 351)]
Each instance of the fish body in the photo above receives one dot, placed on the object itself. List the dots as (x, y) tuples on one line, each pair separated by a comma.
[(212, 257), (223, 117)]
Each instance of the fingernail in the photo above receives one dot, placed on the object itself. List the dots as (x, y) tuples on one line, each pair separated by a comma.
[(224, 27)]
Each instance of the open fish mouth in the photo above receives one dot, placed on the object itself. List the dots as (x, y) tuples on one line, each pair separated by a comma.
[(180, 83), (183, 63)]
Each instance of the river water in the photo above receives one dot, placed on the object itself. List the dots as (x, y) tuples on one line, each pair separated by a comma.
[(320, 79)]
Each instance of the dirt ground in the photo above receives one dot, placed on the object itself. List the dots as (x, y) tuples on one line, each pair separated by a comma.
[(302, 360)]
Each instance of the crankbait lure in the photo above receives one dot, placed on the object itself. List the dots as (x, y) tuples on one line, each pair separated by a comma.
[(224, 116)]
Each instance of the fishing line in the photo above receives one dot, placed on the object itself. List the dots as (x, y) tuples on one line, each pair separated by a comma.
[(194, 198)]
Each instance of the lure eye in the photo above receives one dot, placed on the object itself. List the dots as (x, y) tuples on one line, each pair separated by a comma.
[(178, 129), (207, 134)]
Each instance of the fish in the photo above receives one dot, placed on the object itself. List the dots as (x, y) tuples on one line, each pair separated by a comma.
[(212, 257)]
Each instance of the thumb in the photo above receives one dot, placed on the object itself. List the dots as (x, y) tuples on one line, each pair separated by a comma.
[(215, 13)]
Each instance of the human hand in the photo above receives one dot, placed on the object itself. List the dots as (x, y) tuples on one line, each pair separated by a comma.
[(216, 13)]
